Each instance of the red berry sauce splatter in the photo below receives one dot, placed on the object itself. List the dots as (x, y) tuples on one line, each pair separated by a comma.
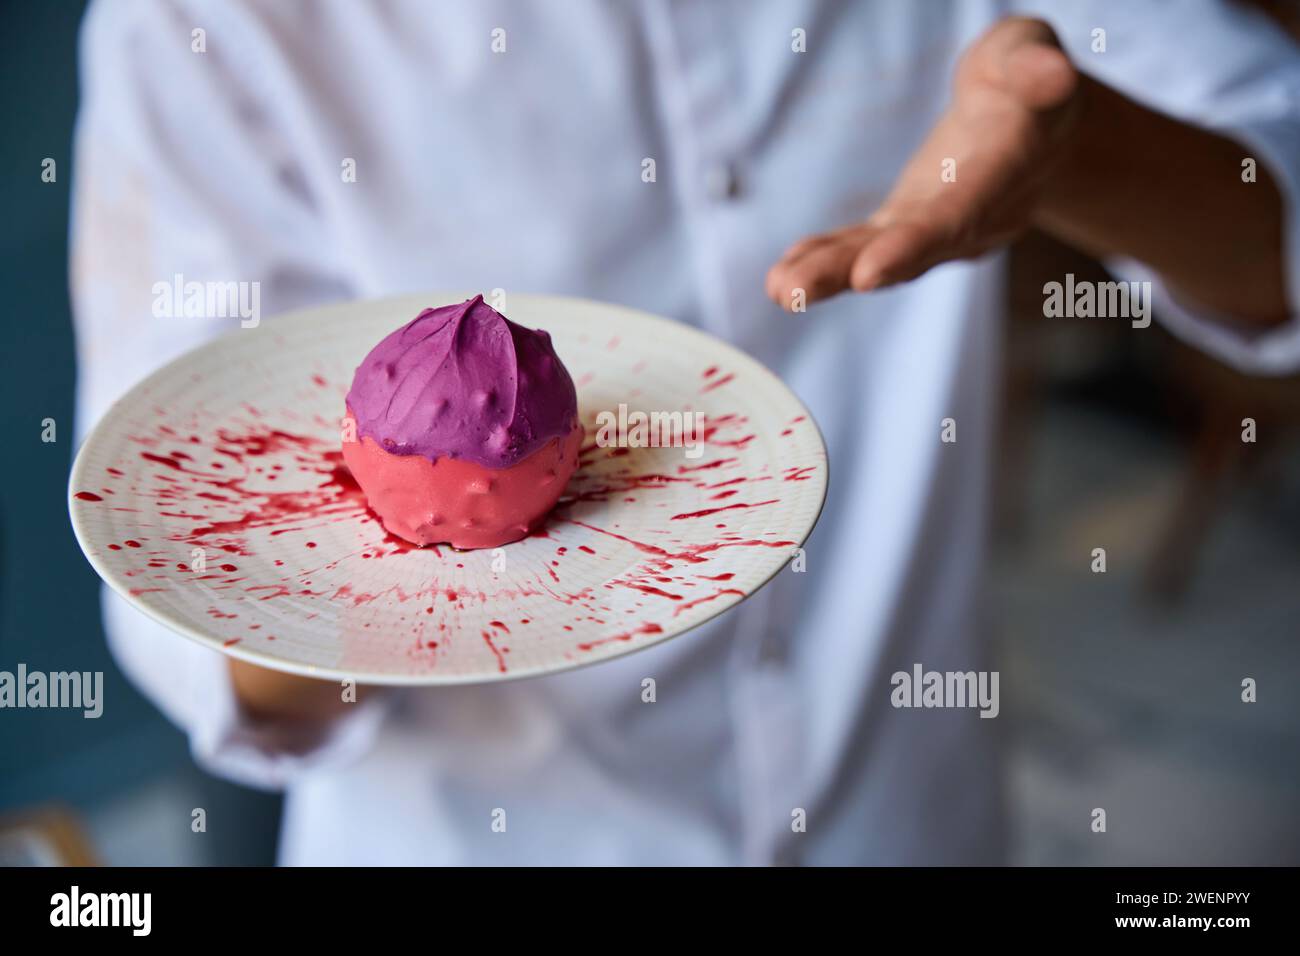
[(260, 511)]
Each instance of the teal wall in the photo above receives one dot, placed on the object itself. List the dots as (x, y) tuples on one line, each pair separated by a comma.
[(49, 611)]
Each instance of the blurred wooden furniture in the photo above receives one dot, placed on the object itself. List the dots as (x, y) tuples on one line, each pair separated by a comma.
[(46, 836), (1214, 401), (1198, 397)]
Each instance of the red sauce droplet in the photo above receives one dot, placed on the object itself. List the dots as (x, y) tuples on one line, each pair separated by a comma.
[(718, 383), (713, 511), (643, 629)]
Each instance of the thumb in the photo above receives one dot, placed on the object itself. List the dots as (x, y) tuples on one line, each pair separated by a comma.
[(1022, 56), (1040, 77)]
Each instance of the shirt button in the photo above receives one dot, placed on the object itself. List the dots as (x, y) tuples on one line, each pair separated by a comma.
[(722, 182)]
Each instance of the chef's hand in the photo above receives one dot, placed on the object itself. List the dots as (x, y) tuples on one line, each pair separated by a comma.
[(1014, 105), (270, 695)]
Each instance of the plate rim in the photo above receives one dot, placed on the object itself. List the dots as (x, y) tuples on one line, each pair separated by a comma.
[(98, 432)]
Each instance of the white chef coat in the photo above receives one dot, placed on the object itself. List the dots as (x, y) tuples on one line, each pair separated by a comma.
[(522, 170)]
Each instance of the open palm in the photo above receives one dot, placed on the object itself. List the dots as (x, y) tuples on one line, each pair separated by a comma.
[(971, 186)]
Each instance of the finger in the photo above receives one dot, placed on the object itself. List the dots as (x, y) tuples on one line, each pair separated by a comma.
[(819, 274), (803, 246), (899, 253), (856, 233), (819, 266)]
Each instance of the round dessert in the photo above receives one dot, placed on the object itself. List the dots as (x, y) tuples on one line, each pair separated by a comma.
[(466, 428)]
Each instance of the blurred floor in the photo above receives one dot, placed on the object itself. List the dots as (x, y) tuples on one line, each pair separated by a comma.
[(1119, 702), (152, 825)]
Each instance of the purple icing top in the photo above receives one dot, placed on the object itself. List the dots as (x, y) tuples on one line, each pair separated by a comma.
[(466, 382)]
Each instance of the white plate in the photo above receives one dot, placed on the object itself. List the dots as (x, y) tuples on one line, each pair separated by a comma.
[(224, 511)]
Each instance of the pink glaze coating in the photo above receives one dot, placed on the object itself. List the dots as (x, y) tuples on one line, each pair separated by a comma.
[(458, 502)]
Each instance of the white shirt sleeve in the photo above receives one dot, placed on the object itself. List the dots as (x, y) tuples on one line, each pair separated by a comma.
[(1231, 70), (179, 170)]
